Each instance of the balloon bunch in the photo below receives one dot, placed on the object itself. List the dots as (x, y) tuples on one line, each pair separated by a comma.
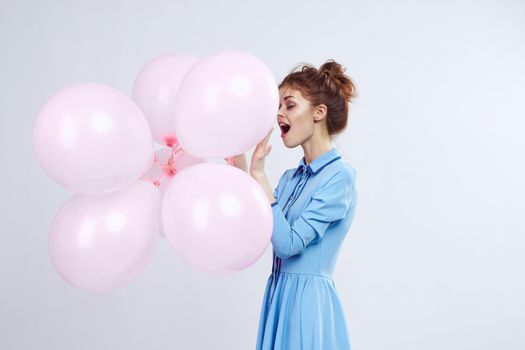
[(99, 143)]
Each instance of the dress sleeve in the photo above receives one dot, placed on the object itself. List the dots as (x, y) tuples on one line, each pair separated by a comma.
[(328, 204)]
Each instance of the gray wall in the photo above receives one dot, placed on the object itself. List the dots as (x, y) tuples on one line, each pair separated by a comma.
[(434, 259)]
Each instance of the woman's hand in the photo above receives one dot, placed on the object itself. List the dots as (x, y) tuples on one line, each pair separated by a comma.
[(238, 161), (258, 156)]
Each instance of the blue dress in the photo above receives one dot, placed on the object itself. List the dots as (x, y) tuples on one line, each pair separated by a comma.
[(314, 209)]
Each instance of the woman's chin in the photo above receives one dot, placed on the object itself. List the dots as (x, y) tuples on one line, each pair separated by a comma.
[(287, 144)]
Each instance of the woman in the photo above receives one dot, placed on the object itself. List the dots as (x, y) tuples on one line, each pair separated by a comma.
[(313, 207)]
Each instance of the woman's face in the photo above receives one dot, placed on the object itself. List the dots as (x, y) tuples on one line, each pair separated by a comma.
[(296, 112)]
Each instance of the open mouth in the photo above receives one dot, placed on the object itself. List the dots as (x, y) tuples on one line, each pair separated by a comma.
[(284, 128)]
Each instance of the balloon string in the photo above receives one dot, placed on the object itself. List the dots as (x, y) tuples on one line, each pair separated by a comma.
[(169, 167), (159, 181)]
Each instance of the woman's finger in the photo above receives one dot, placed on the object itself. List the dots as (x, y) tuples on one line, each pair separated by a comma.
[(267, 137), (269, 133), (260, 149)]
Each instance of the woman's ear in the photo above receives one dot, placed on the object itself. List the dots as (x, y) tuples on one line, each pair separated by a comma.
[(320, 112)]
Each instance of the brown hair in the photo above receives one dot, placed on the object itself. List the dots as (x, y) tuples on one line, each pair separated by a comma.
[(327, 85)]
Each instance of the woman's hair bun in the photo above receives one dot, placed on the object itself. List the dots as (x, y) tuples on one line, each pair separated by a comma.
[(336, 72)]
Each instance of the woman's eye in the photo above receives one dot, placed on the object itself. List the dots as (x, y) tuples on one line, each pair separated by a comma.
[(290, 106)]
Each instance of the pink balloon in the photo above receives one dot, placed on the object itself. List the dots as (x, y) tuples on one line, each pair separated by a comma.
[(156, 84), (217, 218), (225, 105), (168, 162), (91, 138), (101, 242)]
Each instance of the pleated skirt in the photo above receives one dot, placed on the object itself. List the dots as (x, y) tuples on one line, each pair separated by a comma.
[(301, 311)]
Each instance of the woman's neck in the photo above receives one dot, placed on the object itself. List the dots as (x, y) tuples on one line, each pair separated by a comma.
[(313, 149)]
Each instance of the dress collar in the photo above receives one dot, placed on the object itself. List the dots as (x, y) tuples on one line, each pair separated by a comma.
[(318, 163)]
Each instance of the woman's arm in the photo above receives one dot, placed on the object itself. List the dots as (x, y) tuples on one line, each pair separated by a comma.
[(265, 184), (328, 204), (238, 161)]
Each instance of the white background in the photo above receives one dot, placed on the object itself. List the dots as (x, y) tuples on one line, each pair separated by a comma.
[(435, 257)]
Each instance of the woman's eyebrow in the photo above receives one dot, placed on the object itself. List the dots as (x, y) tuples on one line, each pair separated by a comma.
[(286, 99)]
